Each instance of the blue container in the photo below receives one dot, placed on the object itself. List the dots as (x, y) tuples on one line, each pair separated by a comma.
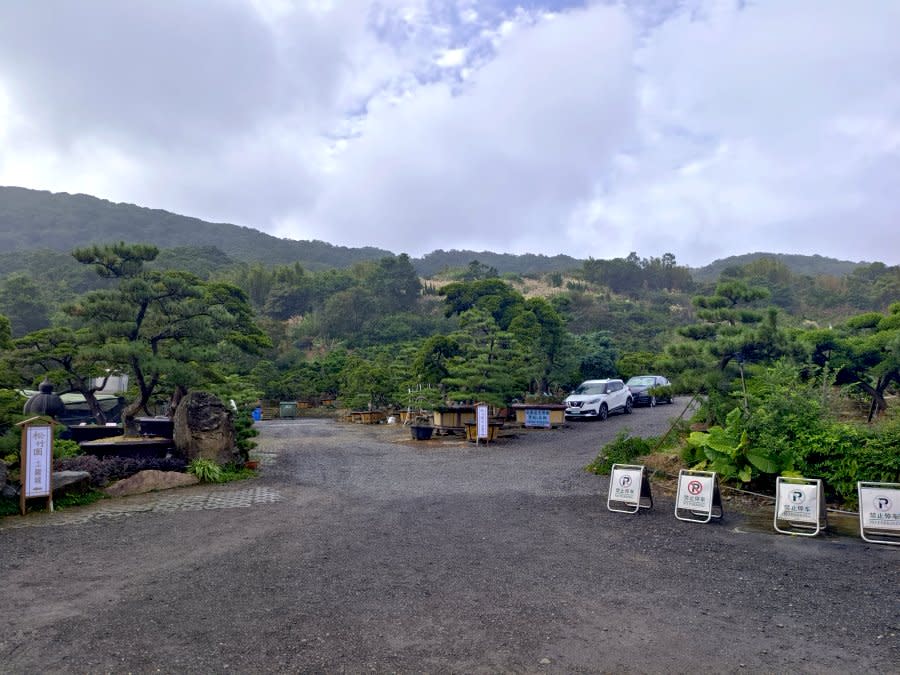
[(256, 414)]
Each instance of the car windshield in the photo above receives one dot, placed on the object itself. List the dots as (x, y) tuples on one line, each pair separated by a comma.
[(590, 388), (641, 382)]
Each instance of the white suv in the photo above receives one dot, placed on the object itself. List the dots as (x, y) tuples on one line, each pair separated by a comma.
[(598, 398)]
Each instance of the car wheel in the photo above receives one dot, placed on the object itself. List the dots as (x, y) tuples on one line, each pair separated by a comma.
[(603, 413), (629, 405), (652, 401)]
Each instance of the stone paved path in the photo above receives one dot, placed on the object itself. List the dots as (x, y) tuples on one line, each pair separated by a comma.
[(202, 497)]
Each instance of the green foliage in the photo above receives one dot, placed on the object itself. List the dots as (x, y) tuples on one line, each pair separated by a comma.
[(623, 450), (491, 365), (244, 432), (32, 219), (63, 447), (23, 301), (231, 472), (206, 470), (662, 392), (165, 328), (728, 451), (492, 295), (865, 351), (632, 275), (598, 357), (10, 507), (635, 363), (373, 378), (842, 454), (789, 431)]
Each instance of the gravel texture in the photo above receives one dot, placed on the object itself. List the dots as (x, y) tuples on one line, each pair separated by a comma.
[(359, 549)]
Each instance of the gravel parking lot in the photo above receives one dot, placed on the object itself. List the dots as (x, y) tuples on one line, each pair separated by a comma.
[(358, 549)]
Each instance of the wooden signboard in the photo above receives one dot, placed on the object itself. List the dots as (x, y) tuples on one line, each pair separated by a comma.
[(37, 460), (481, 422)]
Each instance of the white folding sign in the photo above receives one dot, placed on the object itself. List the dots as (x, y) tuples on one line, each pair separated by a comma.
[(628, 491), (698, 499), (799, 506), (879, 512)]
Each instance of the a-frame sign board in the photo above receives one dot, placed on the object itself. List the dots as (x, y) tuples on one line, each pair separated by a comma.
[(698, 499), (629, 490), (879, 512), (800, 506), (36, 465)]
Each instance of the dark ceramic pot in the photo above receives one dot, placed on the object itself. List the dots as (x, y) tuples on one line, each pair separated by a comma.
[(421, 433)]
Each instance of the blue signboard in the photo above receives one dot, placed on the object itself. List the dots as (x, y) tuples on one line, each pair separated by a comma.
[(536, 417)]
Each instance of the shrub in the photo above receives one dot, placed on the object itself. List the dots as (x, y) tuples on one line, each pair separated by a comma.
[(843, 454), (244, 432), (622, 450), (206, 470), (63, 447), (661, 392)]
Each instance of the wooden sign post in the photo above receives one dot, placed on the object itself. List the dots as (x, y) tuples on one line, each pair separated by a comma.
[(482, 428), (36, 465)]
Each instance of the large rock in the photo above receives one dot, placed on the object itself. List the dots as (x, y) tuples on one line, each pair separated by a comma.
[(6, 489), (204, 428), (148, 481), (70, 482)]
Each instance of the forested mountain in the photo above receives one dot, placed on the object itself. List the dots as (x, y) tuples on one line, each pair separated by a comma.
[(804, 265), (528, 263), (39, 220), (33, 219)]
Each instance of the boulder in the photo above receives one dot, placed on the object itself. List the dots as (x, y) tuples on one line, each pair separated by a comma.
[(70, 482), (204, 428), (148, 481), (6, 489)]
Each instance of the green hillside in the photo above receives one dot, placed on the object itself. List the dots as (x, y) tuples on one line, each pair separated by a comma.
[(804, 265), (33, 219)]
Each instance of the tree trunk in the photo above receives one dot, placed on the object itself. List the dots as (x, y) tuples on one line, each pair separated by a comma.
[(91, 398), (129, 423)]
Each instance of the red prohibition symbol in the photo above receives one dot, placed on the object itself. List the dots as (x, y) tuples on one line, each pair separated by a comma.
[(695, 487)]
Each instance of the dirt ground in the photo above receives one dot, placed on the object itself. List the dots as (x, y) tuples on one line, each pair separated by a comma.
[(358, 549)]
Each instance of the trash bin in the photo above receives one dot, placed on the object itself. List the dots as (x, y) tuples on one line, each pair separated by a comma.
[(256, 414), (287, 409)]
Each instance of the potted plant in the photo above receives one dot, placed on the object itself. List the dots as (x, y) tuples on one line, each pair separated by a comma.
[(421, 428)]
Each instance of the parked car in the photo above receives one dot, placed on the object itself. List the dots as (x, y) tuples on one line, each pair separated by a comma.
[(598, 398), (641, 385)]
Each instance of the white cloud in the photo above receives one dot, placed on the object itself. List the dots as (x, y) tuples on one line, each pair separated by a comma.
[(704, 128), (499, 161), (451, 58), (758, 125)]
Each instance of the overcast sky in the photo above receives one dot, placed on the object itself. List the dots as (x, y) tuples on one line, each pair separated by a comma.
[(700, 128)]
